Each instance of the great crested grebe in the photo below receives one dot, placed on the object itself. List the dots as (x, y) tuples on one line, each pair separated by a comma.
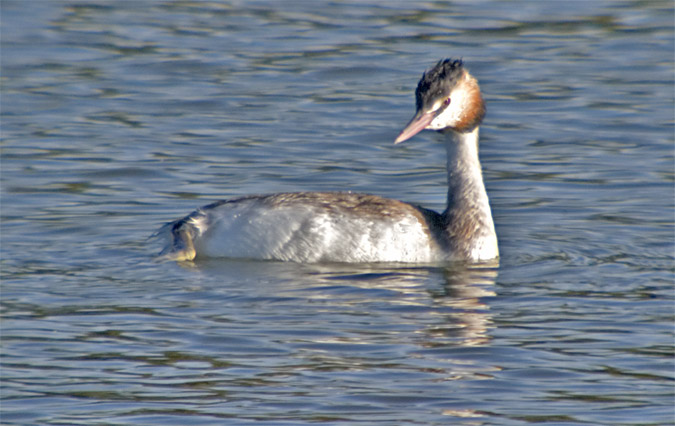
[(347, 227)]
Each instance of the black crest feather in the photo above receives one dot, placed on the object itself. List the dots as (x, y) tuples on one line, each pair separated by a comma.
[(438, 81)]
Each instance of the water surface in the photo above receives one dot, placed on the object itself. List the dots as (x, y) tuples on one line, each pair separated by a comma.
[(120, 116)]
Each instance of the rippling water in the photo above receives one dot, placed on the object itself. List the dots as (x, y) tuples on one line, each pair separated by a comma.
[(120, 116)]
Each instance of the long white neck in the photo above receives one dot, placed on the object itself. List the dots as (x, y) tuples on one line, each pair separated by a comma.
[(468, 218)]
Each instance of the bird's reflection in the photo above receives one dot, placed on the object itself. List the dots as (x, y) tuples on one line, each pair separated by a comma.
[(453, 296), (369, 319)]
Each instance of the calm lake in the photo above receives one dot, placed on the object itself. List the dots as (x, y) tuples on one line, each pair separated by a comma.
[(120, 116)]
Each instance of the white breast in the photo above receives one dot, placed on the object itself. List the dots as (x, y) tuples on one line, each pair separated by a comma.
[(307, 232)]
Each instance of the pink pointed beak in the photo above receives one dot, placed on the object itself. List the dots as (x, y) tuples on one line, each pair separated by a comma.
[(418, 123)]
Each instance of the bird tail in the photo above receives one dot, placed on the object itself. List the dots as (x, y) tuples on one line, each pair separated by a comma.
[(181, 245)]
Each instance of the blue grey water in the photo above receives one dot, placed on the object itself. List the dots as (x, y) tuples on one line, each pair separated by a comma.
[(120, 116)]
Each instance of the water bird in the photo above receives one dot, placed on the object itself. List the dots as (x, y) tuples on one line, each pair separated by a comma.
[(353, 227)]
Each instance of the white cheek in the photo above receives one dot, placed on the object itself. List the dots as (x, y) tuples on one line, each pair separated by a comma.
[(453, 113), (446, 119)]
